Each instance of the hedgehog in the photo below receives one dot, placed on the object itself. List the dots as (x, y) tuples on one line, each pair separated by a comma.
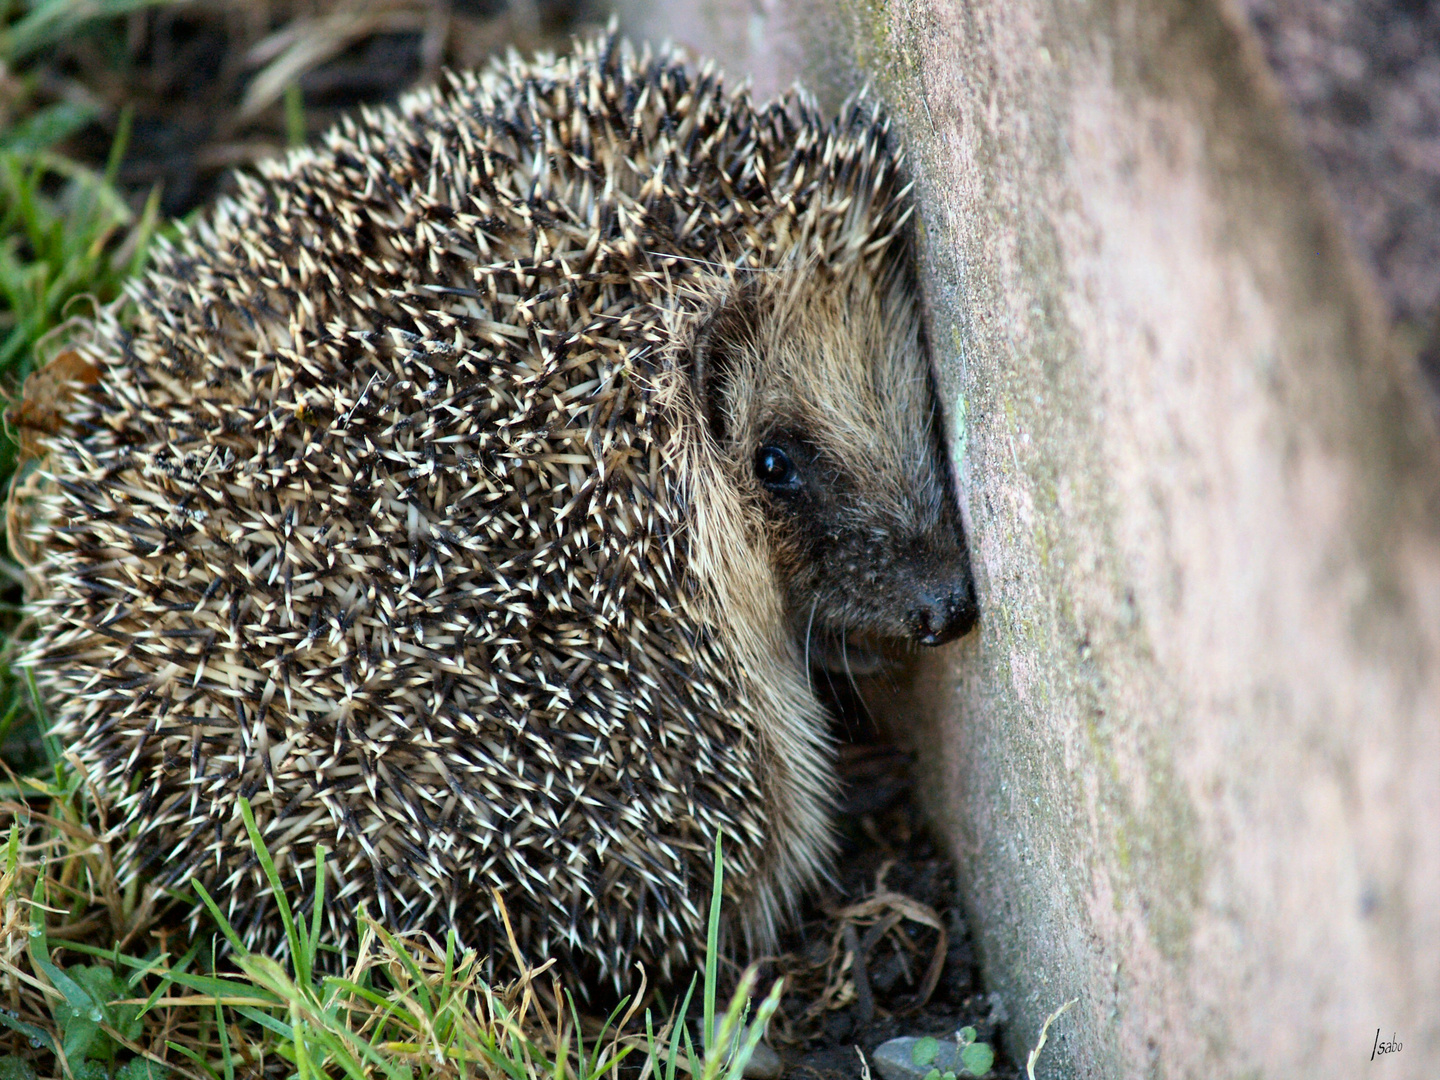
[(474, 492)]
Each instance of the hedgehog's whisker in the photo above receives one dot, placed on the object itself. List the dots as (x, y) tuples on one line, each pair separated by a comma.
[(810, 625), (845, 661)]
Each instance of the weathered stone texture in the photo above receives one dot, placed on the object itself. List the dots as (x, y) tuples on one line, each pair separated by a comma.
[(1190, 764)]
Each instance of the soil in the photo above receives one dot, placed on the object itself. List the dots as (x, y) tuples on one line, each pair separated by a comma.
[(894, 893), (210, 85)]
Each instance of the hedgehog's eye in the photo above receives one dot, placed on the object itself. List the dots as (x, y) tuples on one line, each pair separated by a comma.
[(776, 471)]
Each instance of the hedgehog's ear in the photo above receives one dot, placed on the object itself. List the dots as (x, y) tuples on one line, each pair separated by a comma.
[(714, 356)]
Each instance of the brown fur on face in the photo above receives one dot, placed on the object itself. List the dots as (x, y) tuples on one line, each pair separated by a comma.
[(829, 367)]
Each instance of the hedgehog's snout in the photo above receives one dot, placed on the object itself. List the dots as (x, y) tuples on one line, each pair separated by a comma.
[(943, 610), (937, 591)]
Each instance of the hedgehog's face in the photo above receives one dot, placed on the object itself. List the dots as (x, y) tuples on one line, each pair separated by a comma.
[(822, 401)]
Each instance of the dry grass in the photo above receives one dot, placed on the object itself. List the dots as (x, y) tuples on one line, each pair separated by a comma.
[(99, 982)]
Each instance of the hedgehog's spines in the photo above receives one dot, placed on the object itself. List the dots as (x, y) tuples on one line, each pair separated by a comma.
[(391, 504)]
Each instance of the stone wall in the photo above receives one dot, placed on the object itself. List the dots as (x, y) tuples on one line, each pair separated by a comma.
[(1189, 765)]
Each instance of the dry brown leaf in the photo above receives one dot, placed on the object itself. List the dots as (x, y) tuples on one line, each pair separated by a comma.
[(46, 394)]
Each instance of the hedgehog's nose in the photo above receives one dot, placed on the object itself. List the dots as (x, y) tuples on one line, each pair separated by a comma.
[(944, 612)]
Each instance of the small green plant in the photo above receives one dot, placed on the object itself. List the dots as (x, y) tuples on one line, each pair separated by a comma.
[(427, 1016), (976, 1058), (65, 230), (94, 1017)]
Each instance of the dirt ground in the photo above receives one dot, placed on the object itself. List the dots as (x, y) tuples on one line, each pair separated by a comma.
[(893, 903)]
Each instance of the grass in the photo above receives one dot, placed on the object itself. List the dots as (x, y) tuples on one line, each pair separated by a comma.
[(65, 230), (407, 1011)]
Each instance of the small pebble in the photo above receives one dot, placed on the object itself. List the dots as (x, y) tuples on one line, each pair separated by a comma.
[(895, 1059), (764, 1064)]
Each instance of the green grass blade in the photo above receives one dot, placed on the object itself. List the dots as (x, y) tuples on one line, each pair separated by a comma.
[(46, 127), (265, 1020), (299, 956), (75, 995), (119, 145), (719, 1044), (215, 986), (319, 910), (225, 1057), (677, 1030), (144, 232), (294, 115), (12, 848), (393, 1007), (422, 985), (30, 1031), (167, 978), (712, 941), (220, 920), (195, 1058), (756, 1030)]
